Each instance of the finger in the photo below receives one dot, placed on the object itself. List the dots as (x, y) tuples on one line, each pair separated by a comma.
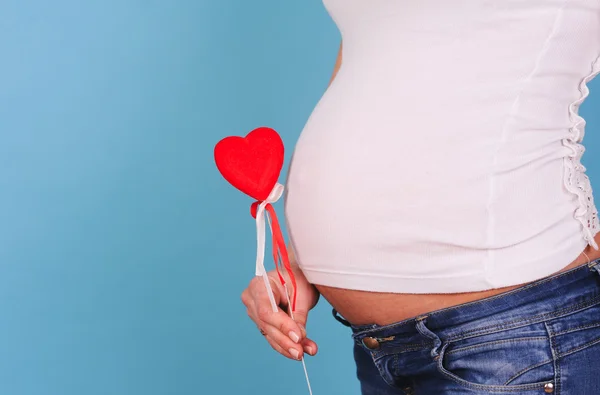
[(251, 312), (271, 339), (293, 350), (278, 348), (264, 317), (280, 321), (310, 347), (274, 337), (246, 297), (302, 328), (301, 316), (261, 311)]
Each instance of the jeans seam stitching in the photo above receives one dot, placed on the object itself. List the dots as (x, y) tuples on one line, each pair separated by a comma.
[(523, 371), (381, 372), (582, 347), (525, 321), (378, 354), (468, 384), (507, 293), (495, 342), (396, 366), (577, 328), (555, 358)]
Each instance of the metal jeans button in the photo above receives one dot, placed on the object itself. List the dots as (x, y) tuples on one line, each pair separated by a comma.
[(549, 388), (371, 343)]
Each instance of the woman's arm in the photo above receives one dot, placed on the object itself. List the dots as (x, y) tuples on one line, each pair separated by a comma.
[(286, 336)]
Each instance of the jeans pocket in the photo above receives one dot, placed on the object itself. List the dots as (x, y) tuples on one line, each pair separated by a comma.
[(575, 332), (507, 360)]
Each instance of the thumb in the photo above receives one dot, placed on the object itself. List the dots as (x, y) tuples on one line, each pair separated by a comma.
[(303, 306), (277, 288), (301, 316), (308, 345)]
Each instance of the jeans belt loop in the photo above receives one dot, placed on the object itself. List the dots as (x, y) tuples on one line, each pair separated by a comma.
[(423, 330)]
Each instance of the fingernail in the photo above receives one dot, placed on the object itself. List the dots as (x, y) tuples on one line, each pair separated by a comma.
[(309, 350), (294, 337), (294, 353)]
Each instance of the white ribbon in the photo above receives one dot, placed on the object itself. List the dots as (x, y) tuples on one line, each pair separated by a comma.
[(273, 197)]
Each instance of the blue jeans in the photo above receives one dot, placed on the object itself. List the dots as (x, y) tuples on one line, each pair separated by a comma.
[(541, 338)]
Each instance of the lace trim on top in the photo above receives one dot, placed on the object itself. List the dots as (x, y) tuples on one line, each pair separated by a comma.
[(576, 181)]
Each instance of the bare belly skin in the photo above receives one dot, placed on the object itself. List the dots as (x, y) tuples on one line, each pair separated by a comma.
[(360, 307)]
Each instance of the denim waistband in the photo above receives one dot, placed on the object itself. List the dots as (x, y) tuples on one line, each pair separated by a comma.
[(561, 293)]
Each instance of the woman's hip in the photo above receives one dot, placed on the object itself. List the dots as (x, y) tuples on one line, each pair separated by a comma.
[(543, 337)]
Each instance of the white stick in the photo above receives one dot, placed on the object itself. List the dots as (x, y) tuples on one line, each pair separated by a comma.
[(260, 259), (303, 363)]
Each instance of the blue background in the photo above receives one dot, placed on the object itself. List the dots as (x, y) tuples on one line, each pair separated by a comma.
[(122, 251)]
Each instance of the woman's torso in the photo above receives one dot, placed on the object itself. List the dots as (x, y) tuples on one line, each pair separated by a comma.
[(445, 157)]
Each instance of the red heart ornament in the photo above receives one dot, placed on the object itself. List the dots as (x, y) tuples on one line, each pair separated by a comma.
[(253, 163)]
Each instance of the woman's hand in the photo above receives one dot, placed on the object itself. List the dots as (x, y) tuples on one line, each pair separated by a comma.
[(283, 334)]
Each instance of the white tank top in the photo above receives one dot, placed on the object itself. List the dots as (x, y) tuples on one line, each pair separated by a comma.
[(445, 156)]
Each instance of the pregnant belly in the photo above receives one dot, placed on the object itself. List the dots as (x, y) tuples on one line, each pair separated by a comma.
[(361, 308)]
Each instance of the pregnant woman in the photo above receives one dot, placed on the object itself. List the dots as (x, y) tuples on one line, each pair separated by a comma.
[(436, 198)]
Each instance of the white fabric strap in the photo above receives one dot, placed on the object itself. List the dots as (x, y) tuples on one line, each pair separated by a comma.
[(273, 197)]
